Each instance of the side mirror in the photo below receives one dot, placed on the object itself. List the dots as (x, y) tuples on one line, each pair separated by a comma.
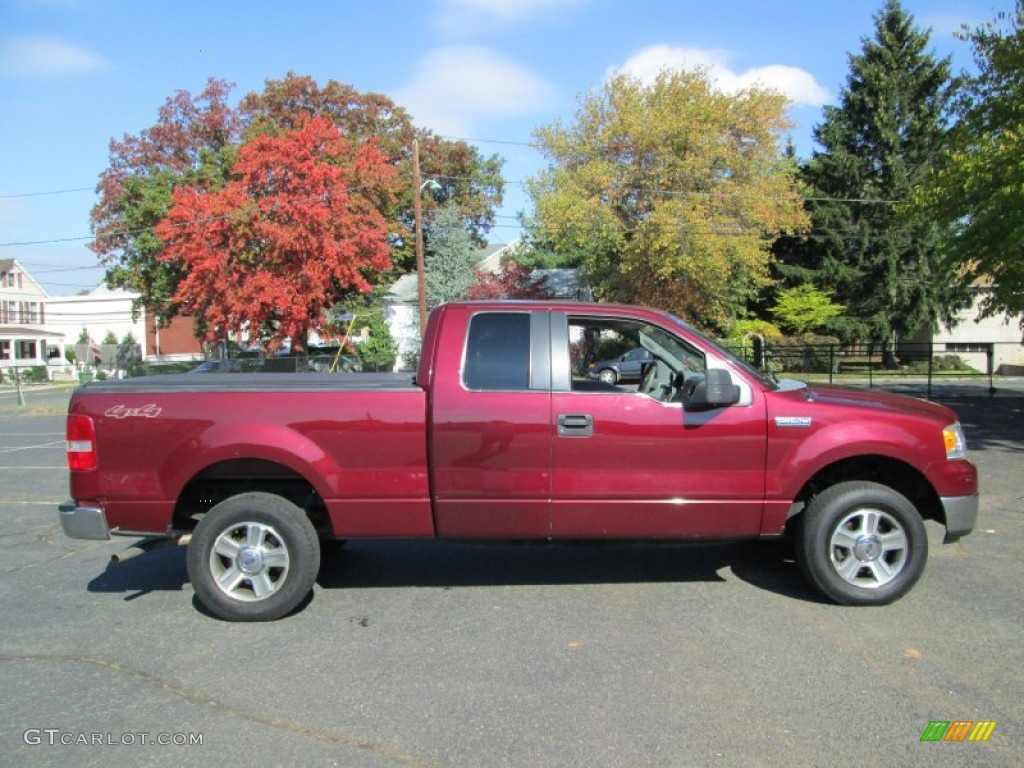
[(716, 390)]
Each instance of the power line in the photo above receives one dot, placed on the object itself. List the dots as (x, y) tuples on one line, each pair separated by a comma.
[(48, 192), (531, 145)]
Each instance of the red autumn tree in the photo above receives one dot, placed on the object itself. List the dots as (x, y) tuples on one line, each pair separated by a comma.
[(512, 282), (297, 226)]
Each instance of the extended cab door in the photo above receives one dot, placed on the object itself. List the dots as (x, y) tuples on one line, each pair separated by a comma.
[(636, 461), (490, 432)]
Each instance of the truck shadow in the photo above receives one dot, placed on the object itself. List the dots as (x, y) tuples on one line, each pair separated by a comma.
[(374, 565), (446, 565)]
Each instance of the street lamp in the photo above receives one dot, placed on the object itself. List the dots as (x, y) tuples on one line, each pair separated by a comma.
[(417, 210)]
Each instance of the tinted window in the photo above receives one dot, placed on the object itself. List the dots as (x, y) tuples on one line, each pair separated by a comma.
[(498, 352)]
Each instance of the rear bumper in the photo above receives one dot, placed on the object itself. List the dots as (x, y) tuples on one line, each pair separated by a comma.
[(83, 522), (961, 515)]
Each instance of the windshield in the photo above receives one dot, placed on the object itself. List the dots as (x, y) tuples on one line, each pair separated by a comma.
[(768, 379)]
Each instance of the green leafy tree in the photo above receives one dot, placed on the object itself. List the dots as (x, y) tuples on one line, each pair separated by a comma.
[(450, 265), (805, 309), (885, 264), (191, 143), (665, 193), (978, 191)]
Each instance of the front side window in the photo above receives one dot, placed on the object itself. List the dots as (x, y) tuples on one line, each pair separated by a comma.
[(497, 353), (613, 355)]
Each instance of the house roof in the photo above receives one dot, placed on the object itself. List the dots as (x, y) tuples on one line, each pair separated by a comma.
[(8, 264)]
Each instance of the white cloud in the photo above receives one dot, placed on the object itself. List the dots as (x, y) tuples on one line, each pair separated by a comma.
[(46, 57), (455, 88), (797, 84), (473, 16)]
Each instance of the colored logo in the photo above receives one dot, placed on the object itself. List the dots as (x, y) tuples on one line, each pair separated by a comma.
[(958, 730)]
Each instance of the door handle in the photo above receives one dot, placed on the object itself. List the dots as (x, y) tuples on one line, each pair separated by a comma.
[(575, 425)]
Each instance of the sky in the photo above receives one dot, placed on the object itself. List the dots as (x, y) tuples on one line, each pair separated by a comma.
[(76, 73)]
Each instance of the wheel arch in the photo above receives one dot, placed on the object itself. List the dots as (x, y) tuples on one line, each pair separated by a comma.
[(229, 477), (904, 478)]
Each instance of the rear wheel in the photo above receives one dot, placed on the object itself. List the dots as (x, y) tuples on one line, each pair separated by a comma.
[(862, 543), (253, 557)]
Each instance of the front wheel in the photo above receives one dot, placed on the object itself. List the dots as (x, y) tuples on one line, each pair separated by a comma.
[(608, 376), (862, 543), (253, 557)]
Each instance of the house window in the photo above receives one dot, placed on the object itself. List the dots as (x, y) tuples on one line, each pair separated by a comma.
[(967, 346), (5, 350), (26, 350)]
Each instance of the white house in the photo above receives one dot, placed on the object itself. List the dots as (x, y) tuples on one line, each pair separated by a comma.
[(100, 312), (974, 340), (26, 341)]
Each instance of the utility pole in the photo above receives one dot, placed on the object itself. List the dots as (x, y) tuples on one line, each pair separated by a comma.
[(17, 385), (417, 210)]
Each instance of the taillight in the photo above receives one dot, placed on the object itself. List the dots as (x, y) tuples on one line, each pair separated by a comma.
[(81, 434)]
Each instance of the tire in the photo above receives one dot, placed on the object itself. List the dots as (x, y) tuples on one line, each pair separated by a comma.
[(608, 376), (861, 543), (253, 557)]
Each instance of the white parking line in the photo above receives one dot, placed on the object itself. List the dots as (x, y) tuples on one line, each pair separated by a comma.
[(23, 468), (30, 447), (8, 503)]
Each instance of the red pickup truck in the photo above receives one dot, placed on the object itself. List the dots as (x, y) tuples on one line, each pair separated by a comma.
[(503, 435)]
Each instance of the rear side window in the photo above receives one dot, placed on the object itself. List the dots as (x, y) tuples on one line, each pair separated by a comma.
[(498, 352)]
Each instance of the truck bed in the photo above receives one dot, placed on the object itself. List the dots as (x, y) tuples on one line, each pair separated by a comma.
[(351, 445)]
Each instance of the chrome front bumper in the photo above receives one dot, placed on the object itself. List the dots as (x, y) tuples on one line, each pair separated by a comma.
[(83, 522), (961, 515)]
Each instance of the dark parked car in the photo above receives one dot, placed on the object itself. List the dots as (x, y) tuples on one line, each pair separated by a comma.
[(626, 367), (230, 365)]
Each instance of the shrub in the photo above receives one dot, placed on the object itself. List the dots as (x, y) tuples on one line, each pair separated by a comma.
[(807, 354)]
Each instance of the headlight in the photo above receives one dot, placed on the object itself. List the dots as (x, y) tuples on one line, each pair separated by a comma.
[(956, 445)]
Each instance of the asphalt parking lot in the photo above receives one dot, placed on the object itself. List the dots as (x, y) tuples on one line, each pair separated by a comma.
[(428, 654)]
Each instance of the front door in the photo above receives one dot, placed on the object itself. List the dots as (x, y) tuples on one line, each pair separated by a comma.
[(634, 461)]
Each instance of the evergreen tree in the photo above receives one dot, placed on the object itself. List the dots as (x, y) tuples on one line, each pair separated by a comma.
[(449, 257), (883, 262), (379, 351)]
